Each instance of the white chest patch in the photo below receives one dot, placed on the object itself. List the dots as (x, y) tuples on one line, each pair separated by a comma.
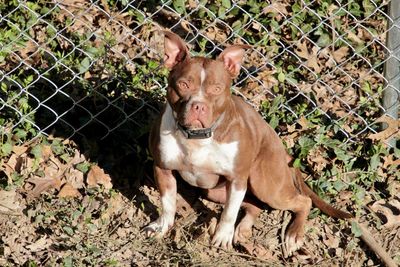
[(194, 155)]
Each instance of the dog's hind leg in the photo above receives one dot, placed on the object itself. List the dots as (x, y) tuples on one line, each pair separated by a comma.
[(300, 205), (272, 182)]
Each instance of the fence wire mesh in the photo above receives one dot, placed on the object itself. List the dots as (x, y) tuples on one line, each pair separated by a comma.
[(93, 67), (81, 82)]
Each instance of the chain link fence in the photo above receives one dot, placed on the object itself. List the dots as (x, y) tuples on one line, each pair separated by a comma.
[(79, 67), (81, 82)]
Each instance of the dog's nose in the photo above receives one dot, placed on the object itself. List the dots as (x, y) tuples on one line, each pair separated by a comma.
[(199, 107)]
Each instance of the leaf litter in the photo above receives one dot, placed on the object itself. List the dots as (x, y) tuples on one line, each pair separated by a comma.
[(67, 212), (94, 223)]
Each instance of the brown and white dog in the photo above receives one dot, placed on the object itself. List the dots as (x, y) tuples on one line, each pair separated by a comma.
[(218, 142)]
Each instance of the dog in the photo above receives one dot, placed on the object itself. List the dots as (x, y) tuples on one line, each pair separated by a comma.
[(218, 142)]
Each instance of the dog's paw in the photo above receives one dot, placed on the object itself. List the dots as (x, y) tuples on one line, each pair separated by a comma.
[(157, 228), (243, 231), (294, 240), (223, 236), (152, 230)]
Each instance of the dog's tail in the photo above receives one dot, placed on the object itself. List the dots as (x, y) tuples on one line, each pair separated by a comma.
[(318, 202)]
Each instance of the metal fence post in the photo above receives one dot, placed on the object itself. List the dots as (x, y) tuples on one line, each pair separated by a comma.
[(391, 97)]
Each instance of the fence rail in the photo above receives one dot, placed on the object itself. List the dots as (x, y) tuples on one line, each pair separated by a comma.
[(80, 67)]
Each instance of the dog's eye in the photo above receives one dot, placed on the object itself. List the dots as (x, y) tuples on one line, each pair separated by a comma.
[(215, 89), (183, 85)]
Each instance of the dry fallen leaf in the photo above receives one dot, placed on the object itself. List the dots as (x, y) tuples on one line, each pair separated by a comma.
[(15, 162), (388, 161), (353, 37), (390, 210), (310, 57), (54, 168), (96, 177), (183, 206), (212, 226), (13, 165), (304, 123), (267, 78), (317, 158), (115, 205), (331, 241), (42, 185), (340, 54), (278, 9), (78, 157), (8, 202), (75, 178), (40, 244), (391, 131), (19, 150), (256, 250), (47, 152), (68, 191)]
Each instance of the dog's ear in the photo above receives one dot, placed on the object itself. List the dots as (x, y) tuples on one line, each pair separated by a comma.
[(175, 50), (232, 58)]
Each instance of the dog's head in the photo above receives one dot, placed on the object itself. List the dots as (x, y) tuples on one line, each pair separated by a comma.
[(199, 88)]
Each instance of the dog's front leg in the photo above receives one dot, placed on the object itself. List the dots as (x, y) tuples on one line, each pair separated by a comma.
[(236, 190), (166, 183)]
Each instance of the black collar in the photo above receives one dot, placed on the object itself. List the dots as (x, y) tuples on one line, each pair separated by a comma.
[(199, 133)]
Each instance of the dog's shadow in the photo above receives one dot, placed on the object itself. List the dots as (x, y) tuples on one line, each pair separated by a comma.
[(189, 205), (196, 215)]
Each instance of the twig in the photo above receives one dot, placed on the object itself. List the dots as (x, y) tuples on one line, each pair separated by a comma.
[(283, 231), (368, 239), (168, 13), (114, 228), (106, 7), (238, 254), (394, 240), (10, 213), (5, 206)]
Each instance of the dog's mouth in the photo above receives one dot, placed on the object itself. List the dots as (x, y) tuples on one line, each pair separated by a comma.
[(197, 129), (193, 125), (192, 121)]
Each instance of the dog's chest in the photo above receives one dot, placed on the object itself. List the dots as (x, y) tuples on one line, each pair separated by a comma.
[(191, 155)]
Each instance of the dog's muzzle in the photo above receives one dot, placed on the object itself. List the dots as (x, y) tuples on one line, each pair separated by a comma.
[(199, 133)]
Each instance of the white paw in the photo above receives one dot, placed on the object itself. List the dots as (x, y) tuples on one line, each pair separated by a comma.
[(293, 243), (158, 228), (223, 236)]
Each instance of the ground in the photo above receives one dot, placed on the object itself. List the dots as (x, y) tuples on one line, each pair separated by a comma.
[(81, 82), (74, 217)]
